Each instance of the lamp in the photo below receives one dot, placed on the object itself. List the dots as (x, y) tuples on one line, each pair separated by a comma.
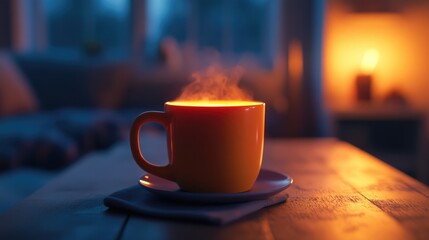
[(364, 78)]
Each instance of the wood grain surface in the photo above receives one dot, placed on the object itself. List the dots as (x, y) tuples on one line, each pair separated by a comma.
[(339, 192)]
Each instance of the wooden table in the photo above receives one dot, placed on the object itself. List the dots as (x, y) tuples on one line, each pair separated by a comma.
[(339, 192)]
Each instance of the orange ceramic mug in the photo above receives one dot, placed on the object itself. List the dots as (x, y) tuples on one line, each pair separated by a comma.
[(213, 146)]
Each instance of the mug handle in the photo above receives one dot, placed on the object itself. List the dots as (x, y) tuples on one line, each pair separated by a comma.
[(160, 117)]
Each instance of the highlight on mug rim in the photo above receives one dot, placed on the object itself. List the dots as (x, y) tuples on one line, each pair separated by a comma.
[(214, 103)]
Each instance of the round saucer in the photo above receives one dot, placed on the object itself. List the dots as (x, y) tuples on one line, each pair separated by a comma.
[(267, 184)]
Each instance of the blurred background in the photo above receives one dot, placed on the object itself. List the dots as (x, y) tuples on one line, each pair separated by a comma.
[(75, 73)]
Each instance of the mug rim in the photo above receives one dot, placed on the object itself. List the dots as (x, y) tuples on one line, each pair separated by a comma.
[(214, 103)]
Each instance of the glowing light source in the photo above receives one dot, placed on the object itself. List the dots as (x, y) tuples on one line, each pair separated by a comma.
[(364, 78), (369, 61)]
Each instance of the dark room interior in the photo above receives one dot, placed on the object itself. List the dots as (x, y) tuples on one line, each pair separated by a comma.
[(75, 74)]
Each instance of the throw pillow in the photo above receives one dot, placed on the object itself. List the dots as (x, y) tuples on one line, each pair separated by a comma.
[(16, 96)]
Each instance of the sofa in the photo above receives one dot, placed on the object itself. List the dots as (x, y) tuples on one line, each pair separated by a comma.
[(52, 114)]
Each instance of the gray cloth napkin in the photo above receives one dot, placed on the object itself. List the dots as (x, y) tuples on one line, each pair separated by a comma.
[(137, 200)]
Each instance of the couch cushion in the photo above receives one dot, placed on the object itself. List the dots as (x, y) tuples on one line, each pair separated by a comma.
[(53, 140), (91, 129), (33, 140)]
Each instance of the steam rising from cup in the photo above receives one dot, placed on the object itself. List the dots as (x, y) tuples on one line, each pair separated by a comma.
[(215, 83)]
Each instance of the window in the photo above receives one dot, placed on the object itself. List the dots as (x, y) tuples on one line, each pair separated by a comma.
[(88, 24), (231, 27)]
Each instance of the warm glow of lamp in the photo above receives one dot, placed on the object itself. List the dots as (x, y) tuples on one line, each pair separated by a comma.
[(369, 61), (400, 40), (364, 78)]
